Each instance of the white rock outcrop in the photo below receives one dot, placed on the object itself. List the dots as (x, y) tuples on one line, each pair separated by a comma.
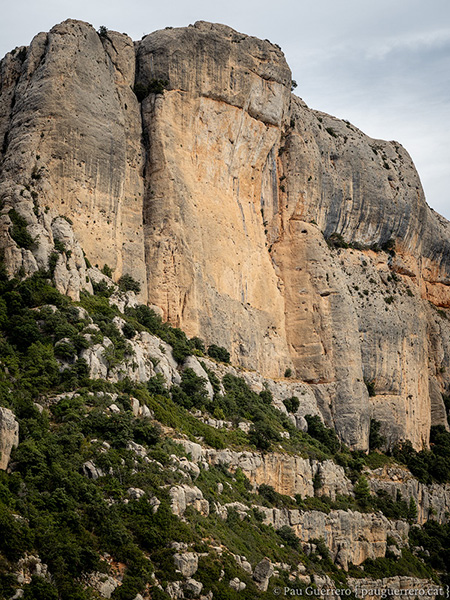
[(9, 436)]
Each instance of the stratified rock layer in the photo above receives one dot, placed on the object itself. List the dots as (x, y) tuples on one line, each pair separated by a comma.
[(351, 536)]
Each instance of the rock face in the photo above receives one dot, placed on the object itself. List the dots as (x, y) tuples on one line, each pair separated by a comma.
[(183, 496), (206, 177), (9, 436), (401, 585), (71, 130), (351, 537), (287, 474), (432, 501), (292, 475), (186, 563), (262, 574), (219, 195)]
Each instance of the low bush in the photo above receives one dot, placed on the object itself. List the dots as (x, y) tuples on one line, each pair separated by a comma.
[(292, 404), (219, 353), (19, 231), (128, 284), (155, 86)]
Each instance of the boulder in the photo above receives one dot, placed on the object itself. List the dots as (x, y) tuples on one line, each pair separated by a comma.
[(193, 587), (91, 471), (237, 585), (183, 496), (135, 493), (262, 574), (186, 563)]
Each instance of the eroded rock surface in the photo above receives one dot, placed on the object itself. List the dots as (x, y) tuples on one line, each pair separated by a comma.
[(9, 436), (218, 196), (351, 537), (72, 132)]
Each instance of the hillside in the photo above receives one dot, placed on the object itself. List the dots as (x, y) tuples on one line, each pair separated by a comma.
[(147, 467)]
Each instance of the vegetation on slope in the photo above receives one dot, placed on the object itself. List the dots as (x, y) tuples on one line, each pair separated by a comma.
[(78, 526)]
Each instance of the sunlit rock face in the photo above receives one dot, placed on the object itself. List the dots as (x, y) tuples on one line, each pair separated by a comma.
[(219, 195)]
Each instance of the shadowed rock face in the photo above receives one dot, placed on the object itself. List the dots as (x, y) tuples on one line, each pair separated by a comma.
[(218, 195), (71, 130)]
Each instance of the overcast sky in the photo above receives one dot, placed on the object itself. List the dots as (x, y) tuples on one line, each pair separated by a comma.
[(383, 65)]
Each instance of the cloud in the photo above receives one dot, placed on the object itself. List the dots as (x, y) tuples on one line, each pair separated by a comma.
[(416, 42)]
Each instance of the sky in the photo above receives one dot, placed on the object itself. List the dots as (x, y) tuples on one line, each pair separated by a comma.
[(383, 65)]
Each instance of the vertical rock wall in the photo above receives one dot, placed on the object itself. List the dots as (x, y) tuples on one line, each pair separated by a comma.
[(72, 132), (219, 196), (209, 137)]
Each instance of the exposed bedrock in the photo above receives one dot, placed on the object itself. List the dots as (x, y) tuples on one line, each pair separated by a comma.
[(218, 196), (72, 132)]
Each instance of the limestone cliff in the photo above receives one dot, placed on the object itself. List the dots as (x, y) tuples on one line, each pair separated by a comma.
[(219, 195), (71, 131), (351, 536)]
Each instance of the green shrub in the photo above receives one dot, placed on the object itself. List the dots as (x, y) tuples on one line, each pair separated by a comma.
[(181, 346), (390, 566), (317, 481), (219, 353), (288, 536), (266, 396), (432, 542), (101, 288), (156, 385), (192, 390), (362, 490), (14, 535), (19, 231), (40, 589), (427, 465), (262, 434), (213, 379), (412, 511), (292, 404), (194, 386), (271, 498), (336, 240), (128, 284), (198, 344), (65, 350), (59, 246), (145, 432), (52, 262), (128, 331), (375, 439), (106, 270), (389, 246), (326, 436), (155, 86), (370, 385)]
